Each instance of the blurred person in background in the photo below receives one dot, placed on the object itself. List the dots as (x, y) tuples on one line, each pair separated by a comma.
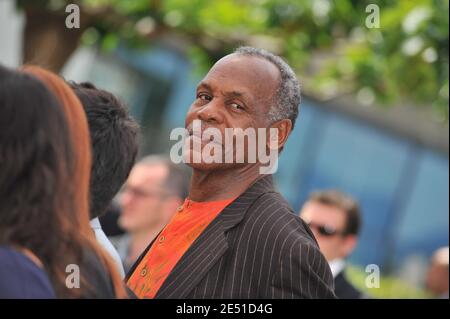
[(99, 275), (109, 220), (436, 281), (114, 143), (154, 190), (334, 218)]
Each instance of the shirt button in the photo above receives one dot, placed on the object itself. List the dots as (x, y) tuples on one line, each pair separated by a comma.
[(180, 208), (161, 239), (143, 272)]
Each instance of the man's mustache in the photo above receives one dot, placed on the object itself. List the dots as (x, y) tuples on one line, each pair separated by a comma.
[(197, 128)]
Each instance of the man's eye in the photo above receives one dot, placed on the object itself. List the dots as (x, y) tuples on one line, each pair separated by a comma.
[(203, 96), (237, 106)]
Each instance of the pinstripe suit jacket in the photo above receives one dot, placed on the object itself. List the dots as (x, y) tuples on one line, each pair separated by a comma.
[(255, 248)]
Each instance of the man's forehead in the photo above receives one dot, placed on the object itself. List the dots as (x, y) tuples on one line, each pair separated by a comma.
[(316, 209), (206, 83), (248, 64), (145, 172), (250, 72)]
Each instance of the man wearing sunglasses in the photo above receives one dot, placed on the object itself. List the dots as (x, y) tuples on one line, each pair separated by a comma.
[(334, 218)]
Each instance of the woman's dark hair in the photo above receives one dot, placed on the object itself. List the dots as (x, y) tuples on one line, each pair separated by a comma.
[(35, 157), (44, 180), (77, 219)]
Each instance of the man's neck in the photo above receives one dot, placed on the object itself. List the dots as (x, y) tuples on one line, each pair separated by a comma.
[(221, 184)]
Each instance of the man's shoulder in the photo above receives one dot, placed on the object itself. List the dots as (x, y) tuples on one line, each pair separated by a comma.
[(275, 199), (272, 205), (272, 215)]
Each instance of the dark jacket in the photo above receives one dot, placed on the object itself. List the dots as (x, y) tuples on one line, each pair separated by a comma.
[(344, 289), (256, 248)]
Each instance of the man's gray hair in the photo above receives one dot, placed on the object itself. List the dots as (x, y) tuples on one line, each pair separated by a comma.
[(287, 97)]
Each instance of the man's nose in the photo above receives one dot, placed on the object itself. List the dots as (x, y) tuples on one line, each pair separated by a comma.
[(211, 112)]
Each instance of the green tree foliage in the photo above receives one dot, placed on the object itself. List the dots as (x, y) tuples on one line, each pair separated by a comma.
[(327, 42)]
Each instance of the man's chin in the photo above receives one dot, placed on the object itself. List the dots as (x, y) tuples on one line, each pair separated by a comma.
[(195, 160)]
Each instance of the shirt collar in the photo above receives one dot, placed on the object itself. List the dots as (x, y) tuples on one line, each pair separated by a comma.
[(337, 266), (95, 223)]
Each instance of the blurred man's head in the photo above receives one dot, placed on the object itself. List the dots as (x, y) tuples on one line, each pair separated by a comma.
[(114, 142), (335, 220), (438, 273), (154, 190)]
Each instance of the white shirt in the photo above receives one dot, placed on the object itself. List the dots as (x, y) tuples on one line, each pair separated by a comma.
[(106, 244), (337, 266)]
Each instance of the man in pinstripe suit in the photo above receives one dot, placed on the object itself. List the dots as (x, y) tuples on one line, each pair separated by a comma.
[(248, 243)]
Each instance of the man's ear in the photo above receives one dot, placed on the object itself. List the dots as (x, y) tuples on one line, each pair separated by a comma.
[(283, 128)]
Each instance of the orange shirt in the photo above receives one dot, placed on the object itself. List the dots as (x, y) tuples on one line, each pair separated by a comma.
[(189, 222)]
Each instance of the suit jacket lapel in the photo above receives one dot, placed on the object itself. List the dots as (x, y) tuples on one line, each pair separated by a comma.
[(211, 244)]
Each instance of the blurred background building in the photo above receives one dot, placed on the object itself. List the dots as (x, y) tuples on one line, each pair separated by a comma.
[(374, 117)]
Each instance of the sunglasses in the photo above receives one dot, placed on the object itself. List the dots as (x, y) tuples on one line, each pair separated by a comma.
[(325, 230)]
